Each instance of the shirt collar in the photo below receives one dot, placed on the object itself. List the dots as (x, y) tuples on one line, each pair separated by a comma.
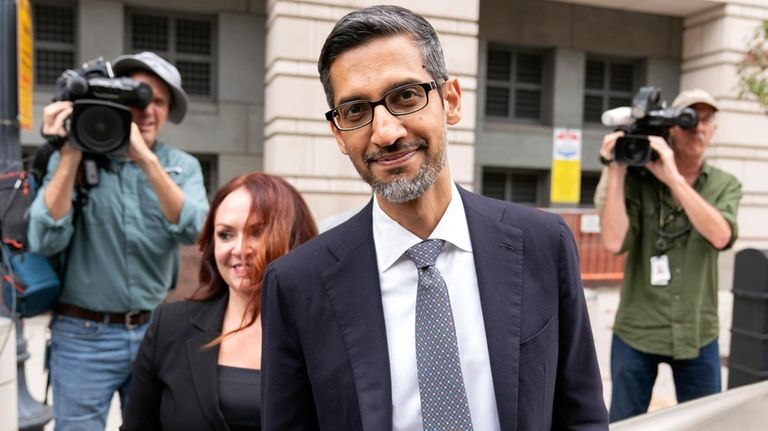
[(392, 240), (706, 169)]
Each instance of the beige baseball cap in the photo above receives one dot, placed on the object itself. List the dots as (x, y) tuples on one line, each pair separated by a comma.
[(691, 97)]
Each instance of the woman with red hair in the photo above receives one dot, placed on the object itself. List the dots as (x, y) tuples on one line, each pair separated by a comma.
[(198, 365)]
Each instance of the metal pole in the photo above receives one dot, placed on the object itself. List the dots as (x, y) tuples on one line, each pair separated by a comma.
[(32, 414), (10, 148)]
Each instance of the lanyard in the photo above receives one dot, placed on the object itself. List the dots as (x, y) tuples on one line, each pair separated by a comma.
[(665, 234)]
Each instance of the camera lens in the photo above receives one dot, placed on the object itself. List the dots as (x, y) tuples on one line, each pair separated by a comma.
[(632, 150), (101, 127)]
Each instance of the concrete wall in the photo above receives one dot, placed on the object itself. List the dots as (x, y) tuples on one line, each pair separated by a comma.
[(714, 42), (568, 33)]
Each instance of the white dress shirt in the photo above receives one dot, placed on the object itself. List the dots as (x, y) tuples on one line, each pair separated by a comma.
[(399, 280)]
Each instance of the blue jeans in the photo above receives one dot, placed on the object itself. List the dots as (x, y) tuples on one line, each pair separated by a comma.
[(89, 362), (633, 374)]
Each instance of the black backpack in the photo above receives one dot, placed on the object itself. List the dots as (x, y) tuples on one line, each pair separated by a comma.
[(30, 282)]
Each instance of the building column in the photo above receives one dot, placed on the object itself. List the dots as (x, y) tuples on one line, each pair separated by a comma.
[(714, 42), (298, 143)]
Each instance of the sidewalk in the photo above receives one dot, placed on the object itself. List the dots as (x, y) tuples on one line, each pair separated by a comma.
[(602, 303)]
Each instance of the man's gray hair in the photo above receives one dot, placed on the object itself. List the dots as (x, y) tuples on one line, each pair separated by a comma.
[(360, 27)]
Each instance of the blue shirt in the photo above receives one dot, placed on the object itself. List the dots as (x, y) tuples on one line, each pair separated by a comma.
[(123, 253)]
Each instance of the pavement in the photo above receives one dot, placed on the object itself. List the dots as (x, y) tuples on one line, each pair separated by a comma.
[(602, 303)]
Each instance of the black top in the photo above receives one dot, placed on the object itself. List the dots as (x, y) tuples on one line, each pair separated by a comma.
[(240, 398)]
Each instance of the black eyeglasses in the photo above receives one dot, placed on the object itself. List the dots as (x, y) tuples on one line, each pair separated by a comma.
[(403, 100)]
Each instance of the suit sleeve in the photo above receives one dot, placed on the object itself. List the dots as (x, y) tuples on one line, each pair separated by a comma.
[(286, 392), (143, 409), (579, 403)]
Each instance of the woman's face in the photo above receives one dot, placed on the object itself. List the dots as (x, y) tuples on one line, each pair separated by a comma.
[(229, 233)]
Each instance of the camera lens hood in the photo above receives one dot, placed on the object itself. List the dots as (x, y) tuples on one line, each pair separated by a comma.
[(100, 127)]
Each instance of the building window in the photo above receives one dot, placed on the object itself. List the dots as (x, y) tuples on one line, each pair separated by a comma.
[(183, 39), (588, 186), (608, 84), (54, 28), (524, 187), (515, 84), (209, 164)]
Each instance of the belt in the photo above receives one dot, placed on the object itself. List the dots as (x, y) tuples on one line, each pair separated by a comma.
[(130, 319)]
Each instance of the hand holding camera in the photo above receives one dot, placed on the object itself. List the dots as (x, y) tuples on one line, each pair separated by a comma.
[(55, 116), (648, 116), (138, 150), (97, 108)]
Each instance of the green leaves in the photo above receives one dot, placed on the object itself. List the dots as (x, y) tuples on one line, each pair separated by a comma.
[(753, 69)]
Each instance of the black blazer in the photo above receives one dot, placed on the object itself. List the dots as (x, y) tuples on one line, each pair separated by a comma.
[(325, 363), (174, 384)]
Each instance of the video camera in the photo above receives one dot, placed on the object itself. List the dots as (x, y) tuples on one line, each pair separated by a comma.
[(647, 116), (101, 116)]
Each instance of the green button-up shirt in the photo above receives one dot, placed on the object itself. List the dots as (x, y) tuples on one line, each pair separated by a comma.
[(121, 253), (679, 318)]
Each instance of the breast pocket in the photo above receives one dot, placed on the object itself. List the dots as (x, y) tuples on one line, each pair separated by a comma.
[(541, 343), (151, 214)]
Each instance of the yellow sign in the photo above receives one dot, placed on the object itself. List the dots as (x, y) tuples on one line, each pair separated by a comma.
[(566, 167), (25, 52), (566, 182)]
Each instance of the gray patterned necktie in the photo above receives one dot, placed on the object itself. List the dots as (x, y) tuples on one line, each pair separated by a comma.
[(444, 405)]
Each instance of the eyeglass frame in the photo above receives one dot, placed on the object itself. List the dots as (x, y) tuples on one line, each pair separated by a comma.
[(427, 86)]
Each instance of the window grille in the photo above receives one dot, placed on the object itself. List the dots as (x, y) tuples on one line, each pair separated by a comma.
[(607, 84), (209, 165), (511, 185), (54, 29), (588, 187), (185, 40), (515, 84), (495, 185), (524, 188)]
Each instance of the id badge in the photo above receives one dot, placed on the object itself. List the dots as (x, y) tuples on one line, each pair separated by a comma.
[(660, 274)]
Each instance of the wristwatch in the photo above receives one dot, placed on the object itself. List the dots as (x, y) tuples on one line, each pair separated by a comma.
[(605, 161)]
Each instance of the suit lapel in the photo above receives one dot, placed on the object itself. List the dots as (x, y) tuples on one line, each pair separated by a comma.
[(204, 363), (352, 285), (498, 253)]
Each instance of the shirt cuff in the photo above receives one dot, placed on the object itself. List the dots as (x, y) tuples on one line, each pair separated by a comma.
[(40, 212), (190, 219)]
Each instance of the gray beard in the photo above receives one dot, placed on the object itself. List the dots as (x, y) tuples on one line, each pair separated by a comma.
[(403, 190)]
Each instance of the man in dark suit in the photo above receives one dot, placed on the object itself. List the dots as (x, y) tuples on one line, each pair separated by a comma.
[(433, 308)]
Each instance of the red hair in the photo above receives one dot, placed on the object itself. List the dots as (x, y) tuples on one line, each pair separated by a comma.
[(279, 220)]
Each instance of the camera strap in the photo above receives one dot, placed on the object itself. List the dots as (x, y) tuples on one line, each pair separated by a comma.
[(665, 221), (88, 173)]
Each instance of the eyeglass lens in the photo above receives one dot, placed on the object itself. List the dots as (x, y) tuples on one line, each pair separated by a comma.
[(400, 101)]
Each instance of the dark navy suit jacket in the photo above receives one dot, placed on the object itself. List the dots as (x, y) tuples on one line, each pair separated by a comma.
[(325, 364)]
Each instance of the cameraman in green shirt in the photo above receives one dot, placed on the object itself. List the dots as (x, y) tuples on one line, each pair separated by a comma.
[(672, 218)]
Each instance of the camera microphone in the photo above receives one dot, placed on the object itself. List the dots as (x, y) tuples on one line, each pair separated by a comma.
[(618, 117)]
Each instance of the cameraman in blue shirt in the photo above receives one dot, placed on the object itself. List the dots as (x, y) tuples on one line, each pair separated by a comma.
[(120, 248)]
